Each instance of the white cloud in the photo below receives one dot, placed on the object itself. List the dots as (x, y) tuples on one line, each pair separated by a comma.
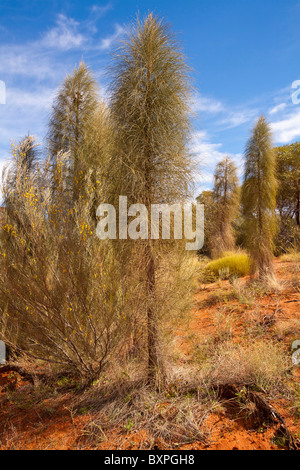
[(40, 98), (278, 108), (99, 11), (287, 129), (229, 117), (64, 35), (107, 42), (27, 60), (207, 155), (96, 12), (32, 70), (24, 112), (237, 118), (40, 58), (205, 104), (3, 164), (205, 150)]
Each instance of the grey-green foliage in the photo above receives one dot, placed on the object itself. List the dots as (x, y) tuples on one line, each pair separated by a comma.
[(259, 196)]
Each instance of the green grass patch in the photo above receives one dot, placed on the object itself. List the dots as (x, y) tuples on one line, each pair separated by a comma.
[(235, 265)]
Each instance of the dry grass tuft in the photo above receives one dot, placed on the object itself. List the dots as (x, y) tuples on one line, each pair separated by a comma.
[(172, 417), (291, 257), (262, 364), (273, 284)]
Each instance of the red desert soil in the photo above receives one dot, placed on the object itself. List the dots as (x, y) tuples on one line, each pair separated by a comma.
[(52, 423)]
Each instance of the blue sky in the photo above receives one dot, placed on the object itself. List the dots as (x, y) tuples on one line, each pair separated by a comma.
[(244, 56)]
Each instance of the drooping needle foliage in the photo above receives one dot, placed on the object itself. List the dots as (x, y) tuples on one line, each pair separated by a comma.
[(72, 120), (150, 109), (66, 297), (226, 198), (259, 197)]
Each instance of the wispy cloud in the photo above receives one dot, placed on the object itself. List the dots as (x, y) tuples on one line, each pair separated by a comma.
[(40, 98), (208, 154), (284, 117), (27, 60), (284, 120), (288, 129), (201, 103), (3, 165), (41, 58), (65, 35), (32, 70), (277, 108), (236, 118), (106, 43), (98, 11), (69, 34), (228, 117)]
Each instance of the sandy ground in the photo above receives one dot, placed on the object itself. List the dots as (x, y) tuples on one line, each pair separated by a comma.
[(52, 423)]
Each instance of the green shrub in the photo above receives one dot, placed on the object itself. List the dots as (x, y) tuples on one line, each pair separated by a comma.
[(234, 265)]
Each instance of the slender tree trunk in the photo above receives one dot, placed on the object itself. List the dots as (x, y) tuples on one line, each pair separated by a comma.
[(261, 266), (153, 359), (152, 320), (76, 147), (298, 209)]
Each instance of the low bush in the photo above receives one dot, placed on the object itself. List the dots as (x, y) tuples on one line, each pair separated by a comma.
[(291, 257), (234, 265), (61, 293)]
